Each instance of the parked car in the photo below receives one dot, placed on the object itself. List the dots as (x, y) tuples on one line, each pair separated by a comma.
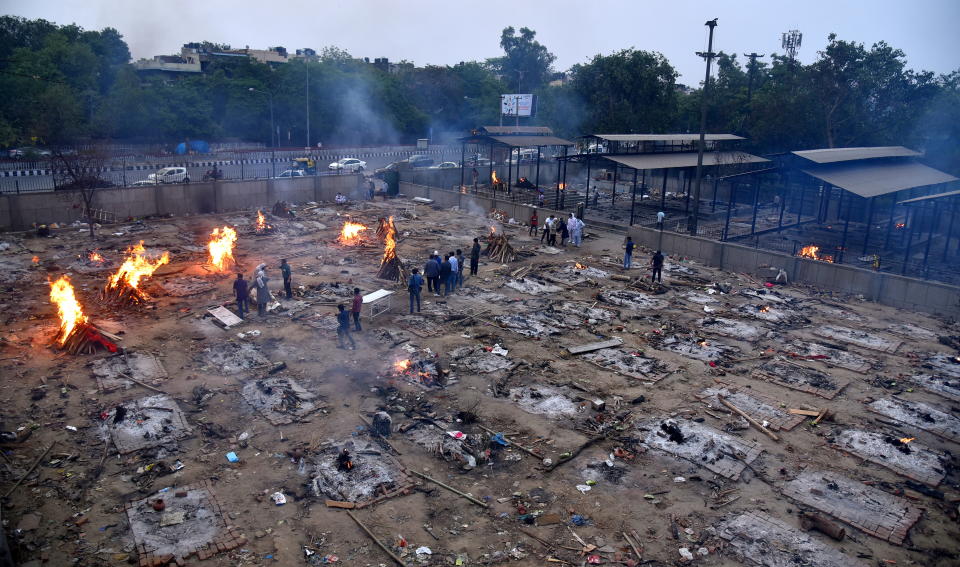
[(28, 152), (291, 173), (446, 165), (420, 160), (527, 155), (144, 183), (348, 164), (170, 175), (477, 160)]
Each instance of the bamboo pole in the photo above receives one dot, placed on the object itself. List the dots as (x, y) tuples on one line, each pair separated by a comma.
[(752, 421), (451, 489), (33, 466), (377, 541)]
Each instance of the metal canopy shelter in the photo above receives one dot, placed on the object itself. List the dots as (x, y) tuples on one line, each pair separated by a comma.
[(512, 138), (872, 179), (833, 155), (663, 137), (931, 197), (683, 159)]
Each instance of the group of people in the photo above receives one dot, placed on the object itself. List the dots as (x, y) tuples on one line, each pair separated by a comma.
[(572, 228), (242, 288), (446, 271)]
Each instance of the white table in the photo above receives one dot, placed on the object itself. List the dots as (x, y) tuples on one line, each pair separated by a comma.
[(380, 301)]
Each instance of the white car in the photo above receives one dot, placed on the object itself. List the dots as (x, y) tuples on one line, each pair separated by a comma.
[(446, 165), (291, 173), (170, 175), (348, 164), (143, 183)]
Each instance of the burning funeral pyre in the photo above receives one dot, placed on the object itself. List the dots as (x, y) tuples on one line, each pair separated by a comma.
[(384, 226), (350, 233), (495, 182), (262, 226), (124, 285), (813, 252), (391, 268), (498, 247), (76, 334), (222, 241), (422, 371)]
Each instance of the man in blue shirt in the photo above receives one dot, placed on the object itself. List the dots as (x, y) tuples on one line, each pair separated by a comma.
[(445, 268), (431, 271), (240, 290), (343, 329), (414, 286), (628, 253), (454, 270)]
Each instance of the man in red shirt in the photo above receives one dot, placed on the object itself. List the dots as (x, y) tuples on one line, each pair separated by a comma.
[(534, 221), (357, 304)]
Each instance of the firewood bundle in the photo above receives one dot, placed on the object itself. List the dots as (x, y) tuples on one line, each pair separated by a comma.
[(392, 269), (85, 339), (499, 249), (383, 226), (123, 295)]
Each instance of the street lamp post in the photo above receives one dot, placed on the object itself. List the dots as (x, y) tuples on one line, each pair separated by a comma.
[(273, 145)]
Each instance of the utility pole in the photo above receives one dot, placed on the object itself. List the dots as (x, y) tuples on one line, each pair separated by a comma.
[(709, 55), (306, 66), (751, 68)]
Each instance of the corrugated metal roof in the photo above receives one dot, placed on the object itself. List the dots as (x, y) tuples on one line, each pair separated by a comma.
[(681, 159), (531, 141), (507, 130), (871, 179), (931, 197), (664, 137), (833, 155)]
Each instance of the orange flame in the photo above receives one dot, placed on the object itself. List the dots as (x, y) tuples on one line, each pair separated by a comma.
[(95, 257), (35, 260), (261, 224), (561, 186), (390, 243), (704, 343), (494, 178), (764, 309), (221, 246), (68, 308), (493, 229), (906, 440), (580, 266), (401, 365), (813, 252), (350, 233), (136, 267)]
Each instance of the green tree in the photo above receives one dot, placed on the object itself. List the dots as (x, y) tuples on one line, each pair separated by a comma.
[(525, 59)]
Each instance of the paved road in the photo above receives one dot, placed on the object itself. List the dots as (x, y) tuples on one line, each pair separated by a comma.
[(249, 165)]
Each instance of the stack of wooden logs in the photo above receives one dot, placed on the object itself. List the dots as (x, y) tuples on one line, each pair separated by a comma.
[(123, 294), (499, 249), (382, 229), (85, 338), (392, 269)]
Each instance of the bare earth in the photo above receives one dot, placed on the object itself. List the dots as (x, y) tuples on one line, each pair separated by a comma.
[(704, 494)]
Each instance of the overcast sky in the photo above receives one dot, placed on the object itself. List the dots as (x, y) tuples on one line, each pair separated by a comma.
[(449, 31)]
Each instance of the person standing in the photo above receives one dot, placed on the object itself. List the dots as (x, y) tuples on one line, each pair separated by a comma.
[(287, 272), (414, 286), (454, 270), (445, 274), (534, 220), (628, 253), (240, 291), (657, 263), (343, 328), (596, 197), (431, 271), (547, 228), (660, 217), (539, 197), (475, 257), (575, 226), (355, 309), (263, 292), (460, 264), (564, 234)]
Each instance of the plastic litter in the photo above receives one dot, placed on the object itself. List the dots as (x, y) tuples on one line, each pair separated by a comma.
[(278, 498), (457, 434), (497, 349), (498, 438), (685, 553), (424, 550), (579, 520), (232, 457), (679, 479), (583, 488)]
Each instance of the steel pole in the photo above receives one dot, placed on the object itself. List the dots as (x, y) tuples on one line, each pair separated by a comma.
[(694, 216), (633, 196), (846, 224), (909, 218), (866, 237)]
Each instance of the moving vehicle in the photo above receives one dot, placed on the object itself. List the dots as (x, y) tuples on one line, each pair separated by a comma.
[(348, 164), (28, 152), (420, 160), (305, 165), (170, 175), (290, 173)]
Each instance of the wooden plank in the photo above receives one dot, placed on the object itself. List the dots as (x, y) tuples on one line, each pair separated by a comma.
[(594, 346), (810, 413), (338, 504), (225, 317)]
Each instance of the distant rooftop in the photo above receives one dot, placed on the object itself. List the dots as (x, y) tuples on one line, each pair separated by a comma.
[(833, 155), (664, 137)]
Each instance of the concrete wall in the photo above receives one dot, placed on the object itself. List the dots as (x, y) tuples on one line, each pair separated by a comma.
[(888, 289), (20, 212)]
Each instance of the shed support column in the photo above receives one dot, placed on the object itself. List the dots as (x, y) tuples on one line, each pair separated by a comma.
[(463, 158), (846, 225), (934, 221), (490, 173), (536, 182), (716, 186), (613, 198), (756, 202), (893, 211), (909, 219), (586, 205), (946, 245), (563, 194), (783, 207), (663, 192), (726, 225), (866, 237), (633, 197)]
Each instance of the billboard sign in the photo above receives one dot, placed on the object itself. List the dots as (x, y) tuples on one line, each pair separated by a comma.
[(517, 105)]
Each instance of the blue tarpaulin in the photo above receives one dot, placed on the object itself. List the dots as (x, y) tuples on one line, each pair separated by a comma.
[(196, 146)]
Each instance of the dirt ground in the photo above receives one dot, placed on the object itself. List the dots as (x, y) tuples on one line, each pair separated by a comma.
[(707, 329)]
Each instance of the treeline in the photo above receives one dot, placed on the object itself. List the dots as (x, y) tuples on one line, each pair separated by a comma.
[(65, 84)]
